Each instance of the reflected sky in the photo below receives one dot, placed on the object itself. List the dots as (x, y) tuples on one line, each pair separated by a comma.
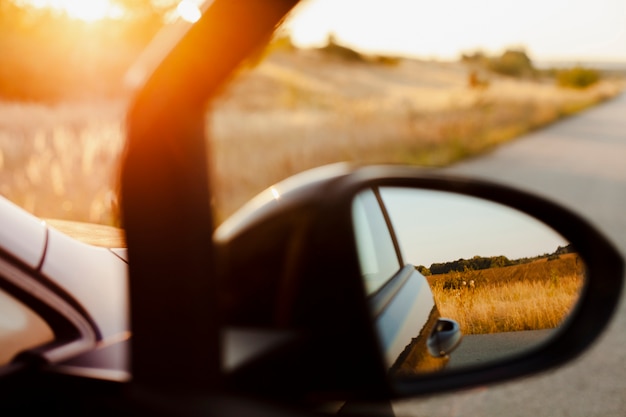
[(436, 226)]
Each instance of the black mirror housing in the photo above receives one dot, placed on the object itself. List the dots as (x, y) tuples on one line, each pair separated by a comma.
[(308, 283)]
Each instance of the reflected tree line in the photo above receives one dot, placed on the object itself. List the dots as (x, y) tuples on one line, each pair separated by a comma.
[(478, 263)]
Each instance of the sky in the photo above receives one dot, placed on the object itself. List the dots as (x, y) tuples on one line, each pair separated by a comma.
[(550, 30), (87, 10), (94, 10), (434, 227)]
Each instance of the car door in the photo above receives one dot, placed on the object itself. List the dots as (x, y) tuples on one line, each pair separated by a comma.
[(39, 322)]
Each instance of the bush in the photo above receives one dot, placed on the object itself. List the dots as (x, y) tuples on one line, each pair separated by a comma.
[(343, 52), (423, 270), (514, 63), (389, 61), (477, 57), (577, 77)]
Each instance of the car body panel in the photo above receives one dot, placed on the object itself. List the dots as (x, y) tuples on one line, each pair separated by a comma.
[(94, 276), (298, 189), (404, 311), (406, 314), (108, 361), (22, 234)]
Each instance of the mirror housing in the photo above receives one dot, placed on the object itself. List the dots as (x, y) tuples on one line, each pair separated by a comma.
[(307, 282)]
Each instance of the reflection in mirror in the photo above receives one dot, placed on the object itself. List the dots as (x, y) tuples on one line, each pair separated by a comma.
[(463, 266)]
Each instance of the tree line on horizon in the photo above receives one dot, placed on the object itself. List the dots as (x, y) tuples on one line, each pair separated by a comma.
[(516, 63), (478, 263)]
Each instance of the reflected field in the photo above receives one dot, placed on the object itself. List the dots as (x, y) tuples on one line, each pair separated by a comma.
[(531, 296), (496, 276)]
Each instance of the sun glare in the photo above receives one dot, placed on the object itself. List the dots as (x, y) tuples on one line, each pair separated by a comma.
[(88, 11), (189, 11)]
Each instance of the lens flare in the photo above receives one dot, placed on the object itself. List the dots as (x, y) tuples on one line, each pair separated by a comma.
[(189, 11)]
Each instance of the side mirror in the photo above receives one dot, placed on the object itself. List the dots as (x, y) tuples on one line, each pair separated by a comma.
[(504, 279), (361, 267), (444, 339)]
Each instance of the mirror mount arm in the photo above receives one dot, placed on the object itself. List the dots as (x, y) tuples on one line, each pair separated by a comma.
[(166, 197)]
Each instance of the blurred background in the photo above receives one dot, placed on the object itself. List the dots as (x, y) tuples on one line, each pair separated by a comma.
[(366, 81)]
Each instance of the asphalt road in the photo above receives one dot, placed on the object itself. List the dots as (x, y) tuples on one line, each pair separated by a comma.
[(579, 162), (484, 348)]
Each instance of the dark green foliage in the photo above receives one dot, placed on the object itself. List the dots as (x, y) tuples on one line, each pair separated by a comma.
[(478, 58), (456, 281), (499, 262), (423, 270), (514, 63), (390, 61), (562, 250), (478, 263), (334, 48), (343, 52), (577, 77)]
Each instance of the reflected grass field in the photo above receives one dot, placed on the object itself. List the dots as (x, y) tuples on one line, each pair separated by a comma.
[(533, 296)]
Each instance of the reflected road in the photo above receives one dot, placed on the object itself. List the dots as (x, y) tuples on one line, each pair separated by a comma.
[(484, 348)]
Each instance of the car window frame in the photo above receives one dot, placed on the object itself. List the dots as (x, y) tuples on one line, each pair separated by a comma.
[(372, 223)]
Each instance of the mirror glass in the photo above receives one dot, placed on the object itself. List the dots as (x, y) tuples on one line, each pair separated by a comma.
[(455, 281)]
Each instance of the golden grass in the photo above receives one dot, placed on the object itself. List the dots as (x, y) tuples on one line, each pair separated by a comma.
[(61, 161), (531, 296), (292, 112), (302, 109)]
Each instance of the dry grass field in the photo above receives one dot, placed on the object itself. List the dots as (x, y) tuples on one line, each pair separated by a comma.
[(304, 108), (60, 161), (533, 296), (292, 111)]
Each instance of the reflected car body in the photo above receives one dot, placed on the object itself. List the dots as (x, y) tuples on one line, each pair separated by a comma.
[(407, 319)]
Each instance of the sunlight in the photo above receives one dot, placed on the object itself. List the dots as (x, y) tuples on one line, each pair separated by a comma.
[(87, 11), (275, 193), (90, 11), (188, 11)]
